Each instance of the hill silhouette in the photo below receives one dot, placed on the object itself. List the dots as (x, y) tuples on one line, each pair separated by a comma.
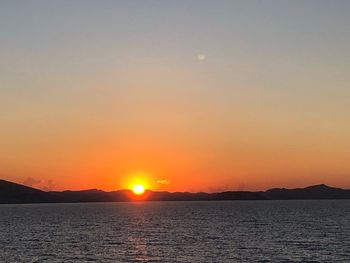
[(11, 193), (17, 193)]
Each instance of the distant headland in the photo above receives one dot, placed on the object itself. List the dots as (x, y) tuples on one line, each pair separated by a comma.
[(12, 193)]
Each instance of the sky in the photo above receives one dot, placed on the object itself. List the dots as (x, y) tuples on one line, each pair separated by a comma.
[(178, 95)]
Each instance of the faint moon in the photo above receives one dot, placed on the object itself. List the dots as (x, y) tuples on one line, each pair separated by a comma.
[(201, 57)]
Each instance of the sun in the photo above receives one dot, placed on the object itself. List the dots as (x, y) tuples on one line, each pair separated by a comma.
[(138, 189)]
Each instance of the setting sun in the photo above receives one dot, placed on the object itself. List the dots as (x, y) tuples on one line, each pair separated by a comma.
[(138, 189)]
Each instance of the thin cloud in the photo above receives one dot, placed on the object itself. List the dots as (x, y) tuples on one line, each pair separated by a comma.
[(49, 186), (162, 181), (30, 181)]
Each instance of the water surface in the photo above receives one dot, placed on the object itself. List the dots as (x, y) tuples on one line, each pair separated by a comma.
[(227, 231)]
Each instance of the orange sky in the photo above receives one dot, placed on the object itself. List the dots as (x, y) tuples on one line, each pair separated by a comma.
[(225, 95)]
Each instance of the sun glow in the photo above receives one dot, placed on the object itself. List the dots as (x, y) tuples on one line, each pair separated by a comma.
[(138, 189), (138, 182)]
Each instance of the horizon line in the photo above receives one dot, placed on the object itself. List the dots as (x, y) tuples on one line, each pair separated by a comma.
[(172, 192)]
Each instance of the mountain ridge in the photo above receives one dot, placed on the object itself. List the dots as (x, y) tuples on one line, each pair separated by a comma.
[(12, 193)]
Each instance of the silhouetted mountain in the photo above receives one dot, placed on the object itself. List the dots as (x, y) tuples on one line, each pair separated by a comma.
[(321, 191), (92, 195), (16, 193)]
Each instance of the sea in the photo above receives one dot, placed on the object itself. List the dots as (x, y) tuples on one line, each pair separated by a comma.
[(203, 231)]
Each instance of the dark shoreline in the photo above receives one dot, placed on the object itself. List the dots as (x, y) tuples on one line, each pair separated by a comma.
[(12, 193)]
